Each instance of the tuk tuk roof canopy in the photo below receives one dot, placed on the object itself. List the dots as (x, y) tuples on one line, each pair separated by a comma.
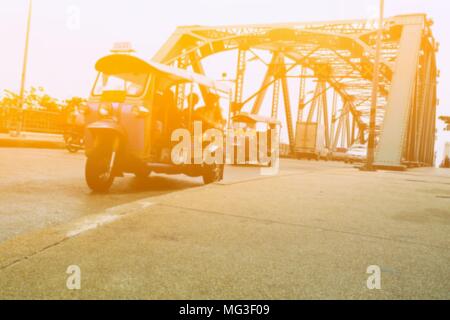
[(122, 63), (254, 118)]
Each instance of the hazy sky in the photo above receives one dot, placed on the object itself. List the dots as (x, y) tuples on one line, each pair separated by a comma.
[(62, 53)]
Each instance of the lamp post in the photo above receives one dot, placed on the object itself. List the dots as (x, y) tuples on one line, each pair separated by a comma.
[(24, 70), (373, 110)]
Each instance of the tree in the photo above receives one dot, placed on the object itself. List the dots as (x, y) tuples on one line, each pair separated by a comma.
[(72, 103), (38, 99), (9, 99)]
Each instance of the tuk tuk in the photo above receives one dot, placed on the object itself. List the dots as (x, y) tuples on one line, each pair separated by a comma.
[(248, 130), (133, 108)]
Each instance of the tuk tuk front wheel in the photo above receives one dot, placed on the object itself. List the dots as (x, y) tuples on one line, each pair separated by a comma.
[(213, 173), (98, 174)]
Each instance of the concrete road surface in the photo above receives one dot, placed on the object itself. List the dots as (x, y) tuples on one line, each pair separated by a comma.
[(40, 188), (311, 232)]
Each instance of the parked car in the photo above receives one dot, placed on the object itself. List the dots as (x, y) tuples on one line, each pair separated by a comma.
[(356, 153)]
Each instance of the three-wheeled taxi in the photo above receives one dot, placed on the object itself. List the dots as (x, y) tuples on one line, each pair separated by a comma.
[(132, 111), (248, 129)]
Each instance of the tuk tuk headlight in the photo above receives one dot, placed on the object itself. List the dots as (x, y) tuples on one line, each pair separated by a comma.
[(105, 110)]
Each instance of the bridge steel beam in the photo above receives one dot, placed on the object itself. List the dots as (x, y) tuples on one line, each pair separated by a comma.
[(271, 71), (390, 151), (287, 103), (342, 53), (240, 75)]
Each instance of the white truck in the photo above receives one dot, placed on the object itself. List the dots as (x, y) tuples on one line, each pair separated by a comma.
[(310, 141)]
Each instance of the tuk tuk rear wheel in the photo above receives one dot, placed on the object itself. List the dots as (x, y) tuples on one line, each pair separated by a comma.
[(72, 149), (98, 175), (142, 173), (70, 145), (213, 173)]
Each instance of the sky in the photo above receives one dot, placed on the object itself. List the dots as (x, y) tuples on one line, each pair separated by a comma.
[(68, 36)]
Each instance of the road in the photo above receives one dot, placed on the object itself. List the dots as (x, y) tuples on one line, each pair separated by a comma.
[(310, 232), (41, 188)]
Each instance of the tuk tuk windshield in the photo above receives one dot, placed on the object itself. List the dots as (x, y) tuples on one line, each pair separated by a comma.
[(133, 84)]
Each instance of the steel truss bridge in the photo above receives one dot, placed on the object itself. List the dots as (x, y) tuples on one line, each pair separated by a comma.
[(338, 58)]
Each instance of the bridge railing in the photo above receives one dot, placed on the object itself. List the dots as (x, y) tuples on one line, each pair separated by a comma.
[(11, 118)]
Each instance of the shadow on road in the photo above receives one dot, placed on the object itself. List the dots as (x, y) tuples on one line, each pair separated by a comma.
[(155, 184)]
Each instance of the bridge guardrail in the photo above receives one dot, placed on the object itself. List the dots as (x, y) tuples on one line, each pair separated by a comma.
[(31, 120)]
